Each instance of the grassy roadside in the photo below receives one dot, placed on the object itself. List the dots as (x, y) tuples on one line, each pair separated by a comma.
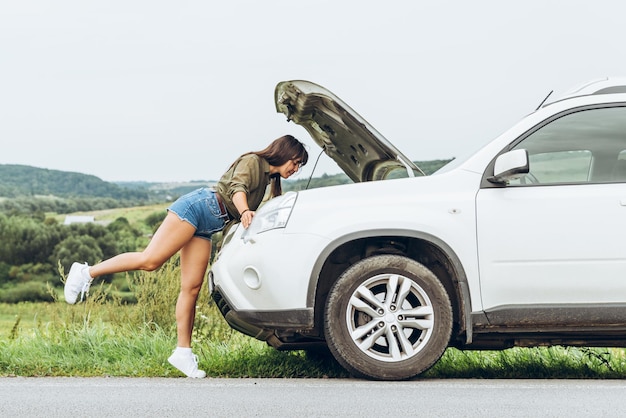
[(85, 343), (104, 337), (94, 348)]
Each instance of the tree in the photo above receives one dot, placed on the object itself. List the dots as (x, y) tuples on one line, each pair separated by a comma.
[(80, 249)]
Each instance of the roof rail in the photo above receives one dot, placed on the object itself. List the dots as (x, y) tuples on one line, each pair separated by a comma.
[(604, 85)]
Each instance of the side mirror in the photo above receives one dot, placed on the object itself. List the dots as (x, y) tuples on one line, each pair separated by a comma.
[(509, 166)]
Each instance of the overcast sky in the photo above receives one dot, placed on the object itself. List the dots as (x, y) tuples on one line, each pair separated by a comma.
[(175, 90)]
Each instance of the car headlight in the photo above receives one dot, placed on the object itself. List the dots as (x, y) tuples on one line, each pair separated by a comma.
[(272, 215)]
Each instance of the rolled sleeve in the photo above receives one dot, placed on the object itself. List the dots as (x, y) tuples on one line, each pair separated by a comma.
[(249, 174), (245, 175)]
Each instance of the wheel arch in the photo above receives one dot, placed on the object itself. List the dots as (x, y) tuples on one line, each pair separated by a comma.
[(424, 248)]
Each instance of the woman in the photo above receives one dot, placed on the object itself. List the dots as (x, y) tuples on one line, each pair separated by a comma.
[(188, 226)]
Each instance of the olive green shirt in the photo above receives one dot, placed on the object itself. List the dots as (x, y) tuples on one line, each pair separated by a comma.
[(249, 174)]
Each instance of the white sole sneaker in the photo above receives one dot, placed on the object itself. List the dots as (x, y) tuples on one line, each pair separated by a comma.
[(187, 364), (77, 282)]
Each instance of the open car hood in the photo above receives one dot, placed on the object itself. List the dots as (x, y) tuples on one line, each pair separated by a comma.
[(359, 150)]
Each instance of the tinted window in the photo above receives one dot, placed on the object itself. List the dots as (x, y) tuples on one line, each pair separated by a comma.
[(583, 147)]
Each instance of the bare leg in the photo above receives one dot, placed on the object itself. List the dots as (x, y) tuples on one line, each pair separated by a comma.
[(170, 237), (194, 260)]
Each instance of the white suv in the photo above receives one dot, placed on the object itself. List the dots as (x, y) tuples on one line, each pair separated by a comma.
[(517, 245)]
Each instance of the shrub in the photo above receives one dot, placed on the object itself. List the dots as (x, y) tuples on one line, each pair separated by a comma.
[(26, 292), (156, 294)]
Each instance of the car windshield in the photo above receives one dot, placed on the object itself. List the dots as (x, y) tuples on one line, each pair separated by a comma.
[(454, 163)]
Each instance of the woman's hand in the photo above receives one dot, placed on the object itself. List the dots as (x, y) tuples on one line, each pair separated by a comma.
[(240, 200), (246, 218)]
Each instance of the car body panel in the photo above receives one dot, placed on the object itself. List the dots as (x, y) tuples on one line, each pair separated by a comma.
[(359, 150), (275, 290), (555, 252), (450, 213)]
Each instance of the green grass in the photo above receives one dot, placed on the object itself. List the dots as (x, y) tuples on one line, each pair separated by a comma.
[(96, 349), (555, 362), (105, 337)]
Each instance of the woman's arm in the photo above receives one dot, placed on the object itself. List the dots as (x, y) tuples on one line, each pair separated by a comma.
[(240, 200)]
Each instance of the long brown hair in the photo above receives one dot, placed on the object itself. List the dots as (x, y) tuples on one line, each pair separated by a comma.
[(278, 153)]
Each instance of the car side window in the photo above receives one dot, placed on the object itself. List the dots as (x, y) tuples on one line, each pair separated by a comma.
[(587, 146), (618, 173)]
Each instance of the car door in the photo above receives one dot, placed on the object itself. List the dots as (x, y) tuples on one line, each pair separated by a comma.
[(554, 237)]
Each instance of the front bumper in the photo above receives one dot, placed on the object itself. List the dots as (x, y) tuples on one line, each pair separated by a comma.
[(280, 329), (274, 272), (265, 288)]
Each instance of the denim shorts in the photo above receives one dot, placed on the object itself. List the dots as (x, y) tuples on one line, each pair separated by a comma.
[(201, 209)]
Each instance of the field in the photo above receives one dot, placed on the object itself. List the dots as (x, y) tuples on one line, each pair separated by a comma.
[(134, 215)]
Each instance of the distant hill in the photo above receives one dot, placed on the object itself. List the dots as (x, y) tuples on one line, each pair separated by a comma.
[(19, 181), (428, 167), (169, 190), (23, 180)]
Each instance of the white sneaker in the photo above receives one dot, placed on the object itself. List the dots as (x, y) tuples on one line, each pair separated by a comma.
[(186, 363), (77, 281)]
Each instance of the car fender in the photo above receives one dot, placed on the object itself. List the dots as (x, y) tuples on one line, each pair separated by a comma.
[(460, 276)]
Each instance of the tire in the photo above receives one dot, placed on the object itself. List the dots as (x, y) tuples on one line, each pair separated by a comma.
[(372, 335)]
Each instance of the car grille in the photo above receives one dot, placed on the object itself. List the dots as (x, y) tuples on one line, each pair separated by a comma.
[(221, 303)]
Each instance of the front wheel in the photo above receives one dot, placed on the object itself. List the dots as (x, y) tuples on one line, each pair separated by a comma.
[(388, 317)]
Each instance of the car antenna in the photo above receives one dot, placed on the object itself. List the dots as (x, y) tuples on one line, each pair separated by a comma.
[(544, 100), (313, 171)]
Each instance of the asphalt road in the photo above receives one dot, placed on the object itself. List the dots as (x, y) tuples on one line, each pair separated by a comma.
[(180, 397)]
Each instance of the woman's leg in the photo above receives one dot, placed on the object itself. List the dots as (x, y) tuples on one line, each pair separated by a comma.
[(194, 260), (170, 237)]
